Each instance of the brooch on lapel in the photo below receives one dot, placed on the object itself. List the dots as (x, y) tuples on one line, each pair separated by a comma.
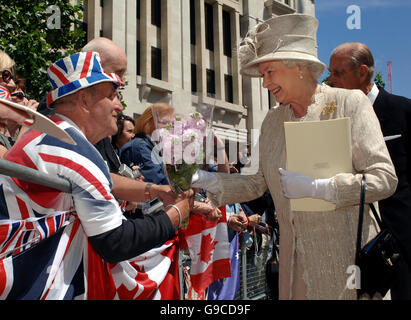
[(329, 108)]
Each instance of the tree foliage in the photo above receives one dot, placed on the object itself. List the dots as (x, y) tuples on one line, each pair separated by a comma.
[(37, 33), (378, 80)]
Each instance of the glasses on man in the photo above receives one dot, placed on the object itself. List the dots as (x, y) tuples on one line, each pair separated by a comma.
[(6, 76)]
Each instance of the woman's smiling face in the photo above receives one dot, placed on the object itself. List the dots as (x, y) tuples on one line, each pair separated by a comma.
[(279, 79)]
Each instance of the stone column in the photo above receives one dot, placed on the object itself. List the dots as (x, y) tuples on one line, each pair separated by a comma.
[(114, 22), (185, 46), (145, 49), (235, 63), (131, 93), (167, 39), (93, 19), (200, 47), (218, 50)]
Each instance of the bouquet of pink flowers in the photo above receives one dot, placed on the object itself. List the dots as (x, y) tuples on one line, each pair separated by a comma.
[(182, 145)]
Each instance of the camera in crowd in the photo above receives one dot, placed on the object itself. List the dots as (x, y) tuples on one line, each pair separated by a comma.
[(126, 171), (148, 207), (151, 206)]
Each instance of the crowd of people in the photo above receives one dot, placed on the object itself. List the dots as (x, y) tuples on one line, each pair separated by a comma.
[(316, 248)]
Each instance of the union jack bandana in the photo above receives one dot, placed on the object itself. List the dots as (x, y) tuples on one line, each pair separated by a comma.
[(76, 72), (4, 93)]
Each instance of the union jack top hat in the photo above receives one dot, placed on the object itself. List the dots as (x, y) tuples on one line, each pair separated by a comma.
[(76, 72)]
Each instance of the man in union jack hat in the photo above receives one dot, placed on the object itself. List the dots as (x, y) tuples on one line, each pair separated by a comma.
[(65, 238)]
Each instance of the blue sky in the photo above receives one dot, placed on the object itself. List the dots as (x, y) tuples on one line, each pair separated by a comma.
[(385, 28)]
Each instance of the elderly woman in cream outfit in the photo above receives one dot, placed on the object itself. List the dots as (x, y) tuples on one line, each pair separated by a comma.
[(316, 248)]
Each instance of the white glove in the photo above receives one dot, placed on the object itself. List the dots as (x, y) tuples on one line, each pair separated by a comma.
[(296, 185), (205, 180)]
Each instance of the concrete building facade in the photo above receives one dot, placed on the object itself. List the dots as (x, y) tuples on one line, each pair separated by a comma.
[(183, 52)]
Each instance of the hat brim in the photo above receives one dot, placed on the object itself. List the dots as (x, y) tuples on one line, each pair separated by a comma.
[(251, 69), (41, 123), (78, 85)]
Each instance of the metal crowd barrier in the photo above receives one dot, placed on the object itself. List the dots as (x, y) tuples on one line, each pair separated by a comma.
[(28, 174), (253, 282), (253, 261)]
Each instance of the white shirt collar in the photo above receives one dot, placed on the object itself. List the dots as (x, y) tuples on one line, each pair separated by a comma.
[(72, 123), (372, 95)]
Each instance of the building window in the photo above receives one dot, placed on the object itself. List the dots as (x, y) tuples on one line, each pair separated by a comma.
[(209, 26), (287, 2), (192, 23), (138, 57), (156, 13), (210, 82), (138, 9), (227, 33), (101, 17), (193, 77), (228, 84), (156, 63)]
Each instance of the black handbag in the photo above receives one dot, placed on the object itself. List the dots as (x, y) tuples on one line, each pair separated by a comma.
[(379, 258)]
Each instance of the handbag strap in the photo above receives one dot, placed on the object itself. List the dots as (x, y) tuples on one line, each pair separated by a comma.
[(360, 220), (376, 216), (360, 223), (361, 216)]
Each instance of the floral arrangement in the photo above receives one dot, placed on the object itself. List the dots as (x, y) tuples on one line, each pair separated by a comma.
[(182, 146)]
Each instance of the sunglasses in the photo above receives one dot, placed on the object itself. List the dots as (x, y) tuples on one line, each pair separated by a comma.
[(6, 76), (20, 95)]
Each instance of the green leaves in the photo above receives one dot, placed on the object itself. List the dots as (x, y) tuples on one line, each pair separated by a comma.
[(378, 80), (26, 36)]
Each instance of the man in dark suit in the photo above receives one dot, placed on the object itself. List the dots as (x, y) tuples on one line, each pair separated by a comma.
[(352, 67)]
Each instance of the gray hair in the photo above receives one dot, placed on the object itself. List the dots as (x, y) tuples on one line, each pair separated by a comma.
[(314, 68), (359, 54), (6, 62)]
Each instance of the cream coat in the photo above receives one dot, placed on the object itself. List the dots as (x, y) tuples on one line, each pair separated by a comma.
[(316, 248)]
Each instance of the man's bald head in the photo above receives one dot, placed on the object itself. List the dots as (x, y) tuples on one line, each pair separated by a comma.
[(358, 53), (113, 57), (351, 66)]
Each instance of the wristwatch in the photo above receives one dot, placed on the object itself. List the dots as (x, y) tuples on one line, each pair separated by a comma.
[(199, 197), (147, 195)]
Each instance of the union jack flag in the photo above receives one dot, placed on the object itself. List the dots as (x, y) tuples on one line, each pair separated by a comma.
[(76, 72), (4, 93), (40, 231)]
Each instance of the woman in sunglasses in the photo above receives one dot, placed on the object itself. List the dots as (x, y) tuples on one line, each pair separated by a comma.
[(19, 96), (11, 89), (6, 71)]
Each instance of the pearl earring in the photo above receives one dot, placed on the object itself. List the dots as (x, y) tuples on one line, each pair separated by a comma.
[(301, 76)]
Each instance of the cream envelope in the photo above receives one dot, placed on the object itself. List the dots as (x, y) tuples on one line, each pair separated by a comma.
[(318, 149)]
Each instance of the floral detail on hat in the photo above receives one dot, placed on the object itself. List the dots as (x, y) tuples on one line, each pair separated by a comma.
[(329, 108), (249, 46), (247, 52)]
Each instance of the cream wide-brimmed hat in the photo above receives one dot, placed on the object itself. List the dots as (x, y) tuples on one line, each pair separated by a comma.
[(286, 37)]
